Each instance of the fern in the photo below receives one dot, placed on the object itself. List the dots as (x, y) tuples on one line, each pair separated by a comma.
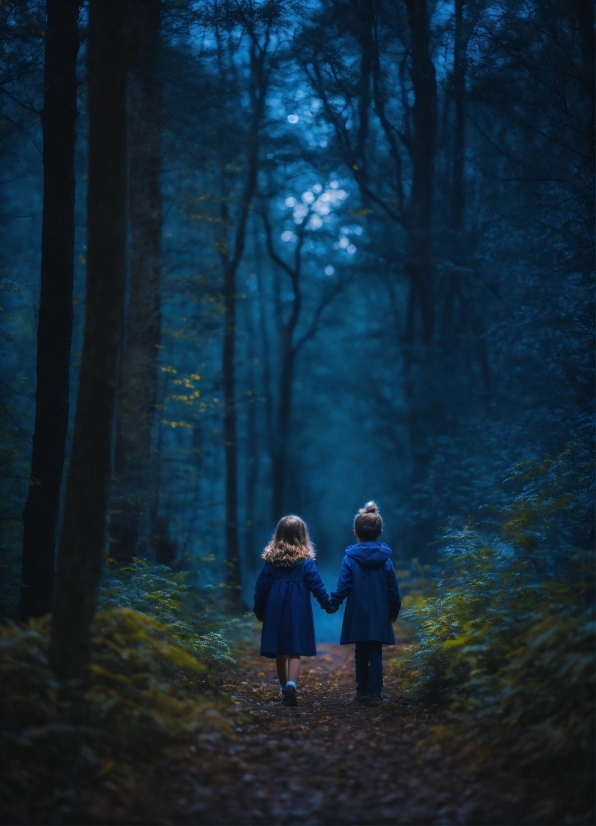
[(189, 618)]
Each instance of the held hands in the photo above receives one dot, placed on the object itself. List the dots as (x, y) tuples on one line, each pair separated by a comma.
[(330, 609)]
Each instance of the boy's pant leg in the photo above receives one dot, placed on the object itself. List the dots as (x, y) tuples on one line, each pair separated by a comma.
[(362, 669), (375, 656)]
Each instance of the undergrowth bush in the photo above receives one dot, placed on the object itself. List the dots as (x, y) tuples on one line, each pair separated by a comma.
[(158, 646), (508, 640), (189, 617), (68, 754), (417, 584)]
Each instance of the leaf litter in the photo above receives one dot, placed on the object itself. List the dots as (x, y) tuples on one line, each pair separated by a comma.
[(330, 761)]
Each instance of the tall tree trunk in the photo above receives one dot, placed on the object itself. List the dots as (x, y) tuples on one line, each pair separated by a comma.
[(458, 191), (265, 352), (420, 322), (83, 531), (584, 10), (253, 447), (289, 350), (54, 331), (139, 364), (419, 265), (231, 263), (286, 381), (233, 573), (286, 386)]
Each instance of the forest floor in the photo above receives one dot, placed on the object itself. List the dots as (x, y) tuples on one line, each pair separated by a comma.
[(330, 761)]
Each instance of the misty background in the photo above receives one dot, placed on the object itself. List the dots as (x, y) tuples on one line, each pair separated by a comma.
[(410, 310)]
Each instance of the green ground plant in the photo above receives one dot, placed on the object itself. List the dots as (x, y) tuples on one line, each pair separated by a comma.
[(508, 639), (190, 617), (159, 648)]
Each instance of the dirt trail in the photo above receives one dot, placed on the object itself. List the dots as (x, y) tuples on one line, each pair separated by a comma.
[(334, 762)]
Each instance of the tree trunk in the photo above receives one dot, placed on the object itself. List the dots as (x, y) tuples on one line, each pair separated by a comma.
[(419, 265), (286, 385), (458, 192), (83, 531), (233, 574), (266, 353), (420, 322), (253, 447), (585, 17), (139, 364), (230, 268), (54, 331)]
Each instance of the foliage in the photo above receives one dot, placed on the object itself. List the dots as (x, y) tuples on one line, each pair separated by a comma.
[(158, 646), (508, 641), (417, 584), (190, 618), (65, 752), (552, 513)]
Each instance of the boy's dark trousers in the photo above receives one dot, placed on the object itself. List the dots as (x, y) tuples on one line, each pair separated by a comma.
[(369, 668)]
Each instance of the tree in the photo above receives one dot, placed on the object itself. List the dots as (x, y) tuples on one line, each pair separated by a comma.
[(230, 244), (54, 331), (133, 463), (422, 405), (83, 532), (419, 262), (401, 190), (291, 345)]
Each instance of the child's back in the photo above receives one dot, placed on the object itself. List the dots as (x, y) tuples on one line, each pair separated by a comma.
[(282, 602), (368, 581)]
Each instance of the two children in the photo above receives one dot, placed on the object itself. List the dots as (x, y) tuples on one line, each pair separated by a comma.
[(367, 579)]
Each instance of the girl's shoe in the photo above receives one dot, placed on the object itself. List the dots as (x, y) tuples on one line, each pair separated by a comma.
[(289, 696), (376, 699), (359, 698)]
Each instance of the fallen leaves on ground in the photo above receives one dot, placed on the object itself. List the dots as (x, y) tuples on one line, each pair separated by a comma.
[(330, 761)]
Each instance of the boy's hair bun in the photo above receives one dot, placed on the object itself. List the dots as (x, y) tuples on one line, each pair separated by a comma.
[(368, 523)]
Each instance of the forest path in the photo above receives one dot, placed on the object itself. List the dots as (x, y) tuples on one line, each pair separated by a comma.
[(330, 761)]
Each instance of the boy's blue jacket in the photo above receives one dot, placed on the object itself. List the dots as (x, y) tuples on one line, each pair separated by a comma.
[(368, 580)]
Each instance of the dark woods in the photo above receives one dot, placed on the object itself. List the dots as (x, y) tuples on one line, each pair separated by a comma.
[(273, 257), (260, 258)]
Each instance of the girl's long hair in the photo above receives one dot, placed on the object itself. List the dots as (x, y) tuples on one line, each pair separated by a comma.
[(290, 543)]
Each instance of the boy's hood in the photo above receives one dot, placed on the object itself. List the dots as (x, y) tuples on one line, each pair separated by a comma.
[(370, 554)]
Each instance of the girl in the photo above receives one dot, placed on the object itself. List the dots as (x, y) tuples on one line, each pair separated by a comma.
[(282, 602)]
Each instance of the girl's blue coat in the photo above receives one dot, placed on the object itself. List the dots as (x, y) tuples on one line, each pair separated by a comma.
[(368, 580), (282, 602)]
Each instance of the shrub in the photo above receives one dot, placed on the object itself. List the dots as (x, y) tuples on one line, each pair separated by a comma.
[(191, 618), (63, 753), (67, 755), (508, 641)]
